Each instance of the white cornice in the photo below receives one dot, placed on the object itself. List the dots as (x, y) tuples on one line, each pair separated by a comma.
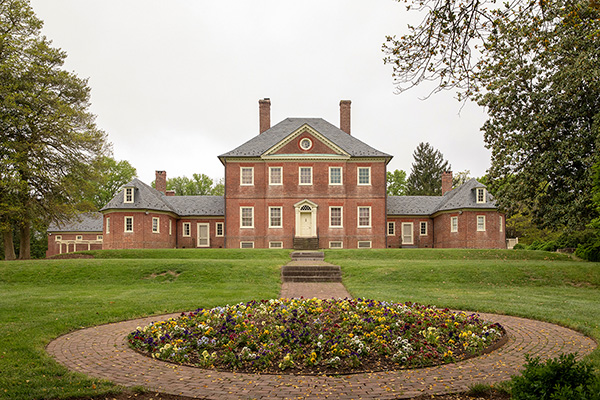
[(298, 132)]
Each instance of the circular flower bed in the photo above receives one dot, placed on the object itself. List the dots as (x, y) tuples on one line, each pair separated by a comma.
[(317, 336)]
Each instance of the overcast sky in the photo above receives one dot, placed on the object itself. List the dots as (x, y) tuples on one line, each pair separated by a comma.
[(176, 83)]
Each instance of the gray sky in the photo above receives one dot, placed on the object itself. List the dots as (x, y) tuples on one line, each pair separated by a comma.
[(176, 83)]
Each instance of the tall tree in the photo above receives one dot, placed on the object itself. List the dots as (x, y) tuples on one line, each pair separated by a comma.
[(426, 174), (534, 66), (396, 183), (49, 139), (461, 177), (111, 175), (198, 185)]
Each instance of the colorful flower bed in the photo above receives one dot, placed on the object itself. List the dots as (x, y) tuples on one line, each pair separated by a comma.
[(317, 336)]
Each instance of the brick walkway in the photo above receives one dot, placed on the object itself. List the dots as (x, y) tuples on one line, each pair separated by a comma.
[(102, 352)]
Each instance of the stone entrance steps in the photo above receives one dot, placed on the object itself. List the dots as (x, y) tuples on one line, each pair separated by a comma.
[(311, 243), (308, 266)]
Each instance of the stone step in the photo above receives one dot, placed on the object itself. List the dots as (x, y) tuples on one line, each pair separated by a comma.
[(311, 273), (306, 243), (312, 279), (307, 255)]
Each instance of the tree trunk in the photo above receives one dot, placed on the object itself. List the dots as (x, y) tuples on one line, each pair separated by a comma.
[(9, 247), (25, 242)]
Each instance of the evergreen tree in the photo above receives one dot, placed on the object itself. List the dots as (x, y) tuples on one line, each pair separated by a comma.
[(426, 174)]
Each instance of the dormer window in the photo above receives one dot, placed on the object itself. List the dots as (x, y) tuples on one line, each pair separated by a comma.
[(128, 195), (480, 192)]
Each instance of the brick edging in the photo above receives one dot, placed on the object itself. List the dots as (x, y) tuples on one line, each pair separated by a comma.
[(102, 352)]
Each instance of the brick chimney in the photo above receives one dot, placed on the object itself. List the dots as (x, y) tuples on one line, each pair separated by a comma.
[(345, 115), (446, 182), (161, 181), (264, 114), (170, 193)]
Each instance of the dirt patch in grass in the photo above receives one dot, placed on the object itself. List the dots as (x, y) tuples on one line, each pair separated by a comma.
[(66, 256), (170, 273)]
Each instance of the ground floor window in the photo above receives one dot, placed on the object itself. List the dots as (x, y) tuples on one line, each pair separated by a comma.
[(155, 224), (187, 228), (128, 224), (423, 228), (275, 217), (220, 229), (335, 217), (364, 217), (247, 217), (391, 228), (481, 223), (246, 245), (454, 224)]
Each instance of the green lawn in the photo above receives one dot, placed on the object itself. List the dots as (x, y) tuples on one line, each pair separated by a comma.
[(40, 300)]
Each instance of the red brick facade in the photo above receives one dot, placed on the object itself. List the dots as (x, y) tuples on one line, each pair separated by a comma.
[(68, 242)]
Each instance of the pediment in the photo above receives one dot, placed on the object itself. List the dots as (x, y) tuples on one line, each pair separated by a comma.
[(305, 202), (305, 141)]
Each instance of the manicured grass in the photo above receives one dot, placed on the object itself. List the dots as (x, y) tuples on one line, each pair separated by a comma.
[(532, 284), (40, 300)]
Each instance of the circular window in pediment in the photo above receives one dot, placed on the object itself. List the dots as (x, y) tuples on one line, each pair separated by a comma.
[(305, 144)]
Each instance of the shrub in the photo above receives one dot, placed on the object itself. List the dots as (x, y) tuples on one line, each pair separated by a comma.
[(589, 251), (520, 246), (556, 379)]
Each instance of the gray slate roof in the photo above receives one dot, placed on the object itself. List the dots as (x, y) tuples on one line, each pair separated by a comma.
[(260, 144), (84, 222), (459, 198), (148, 198)]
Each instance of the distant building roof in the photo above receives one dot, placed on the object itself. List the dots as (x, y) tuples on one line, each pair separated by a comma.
[(461, 197), (85, 222), (186, 206), (259, 145)]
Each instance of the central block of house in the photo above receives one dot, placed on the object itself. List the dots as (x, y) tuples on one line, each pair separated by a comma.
[(305, 183)]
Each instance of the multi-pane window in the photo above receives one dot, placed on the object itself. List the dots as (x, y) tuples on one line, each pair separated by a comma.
[(454, 224), (128, 195), (79, 237), (275, 176), (58, 237), (423, 228), (246, 245), (275, 217), (170, 227), (98, 237), (364, 217), (480, 195), (335, 217), (364, 244), (501, 224), (306, 175), (335, 175), (128, 224), (247, 217), (391, 228), (336, 245), (364, 175), (187, 228), (276, 245), (107, 224), (481, 223), (247, 176), (220, 230), (155, 224)]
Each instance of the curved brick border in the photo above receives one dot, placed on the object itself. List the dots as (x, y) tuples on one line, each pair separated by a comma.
[(103, 353)]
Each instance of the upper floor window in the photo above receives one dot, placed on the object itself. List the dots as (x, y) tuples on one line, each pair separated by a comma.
[(306, 175), (454, 224), (364, 175), (364, 217), (481, 223), (128, 195), (335, 175), (275, 176), (480, 195), (246, 176), (247, 217), (155, 225)]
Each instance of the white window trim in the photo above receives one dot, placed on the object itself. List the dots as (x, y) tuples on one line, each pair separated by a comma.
[(170, 227), (280, 217), (242, 219), (358, 217), (452, 227), (477, 191), (222, 229), (393, 225), (412, 233), (341, 217), (279, 245), (341, 176), (79, 238), (300, 176), (336, 241), (157, 219), (242, 176), (125, 224), (99, 237), (358, 176), (305, 139), (501, 224), (483, 219), (242, 245), (421, 230), (58, 237), (271, 176), (364, 241), (127, 190), (107, 225), (189, 234)]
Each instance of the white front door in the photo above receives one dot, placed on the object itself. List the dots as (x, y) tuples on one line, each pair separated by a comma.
[(306, 224), (407, 233), (203, 235)]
